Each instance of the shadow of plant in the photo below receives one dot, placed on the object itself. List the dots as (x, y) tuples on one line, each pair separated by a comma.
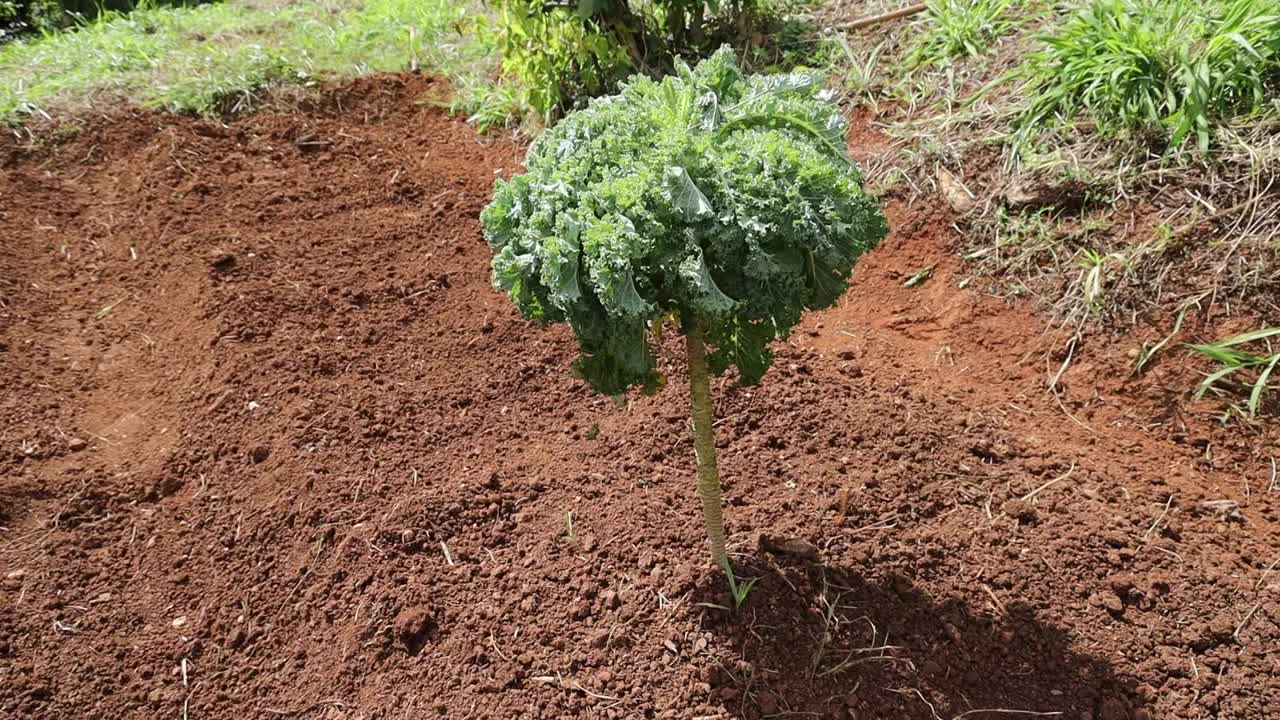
[(824, 641)]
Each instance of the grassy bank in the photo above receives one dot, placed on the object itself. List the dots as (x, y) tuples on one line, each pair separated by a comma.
[(217, 58), (1112, 159)]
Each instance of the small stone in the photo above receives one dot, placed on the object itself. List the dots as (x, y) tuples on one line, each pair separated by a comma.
[(788, 546), (76, 444), (236, 638), (598, 639), (610, 599), (259, 454), (954, 192), (179, 621), (221, 260)]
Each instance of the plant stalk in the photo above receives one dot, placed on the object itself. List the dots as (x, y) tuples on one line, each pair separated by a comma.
[(704, 444)]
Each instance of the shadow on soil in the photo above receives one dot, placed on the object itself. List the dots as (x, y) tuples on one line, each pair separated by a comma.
[(825, 641)]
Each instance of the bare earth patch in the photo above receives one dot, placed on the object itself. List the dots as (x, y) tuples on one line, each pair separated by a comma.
[(271, 446)]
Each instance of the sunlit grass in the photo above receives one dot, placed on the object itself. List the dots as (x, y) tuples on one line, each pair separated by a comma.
[(215, 57)]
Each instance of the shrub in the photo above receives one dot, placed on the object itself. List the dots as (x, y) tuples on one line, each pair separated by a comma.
[(724, 205), (559, 52), (1173, 66)]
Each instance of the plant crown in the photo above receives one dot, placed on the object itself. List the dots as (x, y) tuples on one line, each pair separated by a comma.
[(710, 197)]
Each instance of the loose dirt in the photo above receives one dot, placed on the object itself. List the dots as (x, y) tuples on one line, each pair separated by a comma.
[(272, 447)]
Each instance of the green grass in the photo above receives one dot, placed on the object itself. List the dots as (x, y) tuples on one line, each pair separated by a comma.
[(1177, 67), (1234, 363), (959, 28), (215, 58)]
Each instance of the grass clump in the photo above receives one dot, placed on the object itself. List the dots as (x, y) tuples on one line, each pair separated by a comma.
[(1175, 67), (1234, 363), (216, 58), (960, 28)]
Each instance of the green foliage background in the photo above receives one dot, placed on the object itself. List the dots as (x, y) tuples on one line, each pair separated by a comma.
[(558, 53)]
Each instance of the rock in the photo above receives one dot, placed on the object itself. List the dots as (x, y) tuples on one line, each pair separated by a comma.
[(235, 639), (787, 546), (954, 192), (599, 638), (1225, 509), (76, 444), (413, 627), (259, 454), (221, 260)]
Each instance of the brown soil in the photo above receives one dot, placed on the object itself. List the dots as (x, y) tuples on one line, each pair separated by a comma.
[(271, 447)]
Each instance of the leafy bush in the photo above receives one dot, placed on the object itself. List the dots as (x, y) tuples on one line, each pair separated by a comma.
[(1175, 66), (959, 28), (559, 52), (724, 204)]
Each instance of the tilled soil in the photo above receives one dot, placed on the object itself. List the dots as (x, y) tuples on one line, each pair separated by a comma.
[(271, 447)]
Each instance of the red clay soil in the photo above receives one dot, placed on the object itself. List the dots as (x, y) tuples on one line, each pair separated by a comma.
[(272, 447)]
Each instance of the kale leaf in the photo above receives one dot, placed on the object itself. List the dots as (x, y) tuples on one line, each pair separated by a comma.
[(709, 196)]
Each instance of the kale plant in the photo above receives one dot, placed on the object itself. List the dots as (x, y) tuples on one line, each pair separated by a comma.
[(723, 204)]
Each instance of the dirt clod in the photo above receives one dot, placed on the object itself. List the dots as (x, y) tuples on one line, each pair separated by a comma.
[(413, 628)]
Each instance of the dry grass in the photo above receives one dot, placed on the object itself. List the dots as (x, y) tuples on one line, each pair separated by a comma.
[(1104, 229)]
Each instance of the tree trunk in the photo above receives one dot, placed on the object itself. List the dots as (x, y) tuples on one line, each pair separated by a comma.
[(704, 443)]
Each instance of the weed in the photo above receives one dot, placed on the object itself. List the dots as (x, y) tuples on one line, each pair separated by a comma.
[(1093, 278), (1149, 352), (1172, 67), (862, 71), (1233, 360), (959, 29), (739, 592), (486, 105)]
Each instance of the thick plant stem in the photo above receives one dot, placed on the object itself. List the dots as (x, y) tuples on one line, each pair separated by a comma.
[(704, 443)]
